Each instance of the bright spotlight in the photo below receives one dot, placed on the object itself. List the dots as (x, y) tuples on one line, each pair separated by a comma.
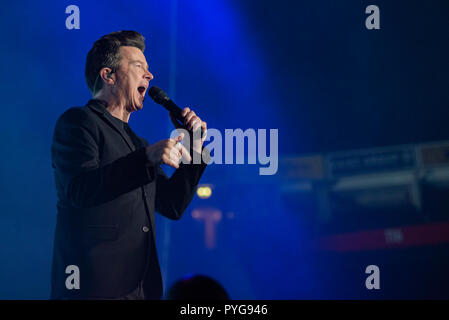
[(204, 192)]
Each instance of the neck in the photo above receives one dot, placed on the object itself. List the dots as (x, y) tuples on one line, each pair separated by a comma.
[(115, 107)]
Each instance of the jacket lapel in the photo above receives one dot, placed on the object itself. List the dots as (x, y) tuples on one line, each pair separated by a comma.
[(98, 108)]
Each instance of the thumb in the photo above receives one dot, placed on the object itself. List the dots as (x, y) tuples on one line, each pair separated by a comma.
[(180, 137)]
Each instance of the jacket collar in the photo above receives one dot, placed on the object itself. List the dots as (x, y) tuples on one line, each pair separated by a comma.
[(99, 107)]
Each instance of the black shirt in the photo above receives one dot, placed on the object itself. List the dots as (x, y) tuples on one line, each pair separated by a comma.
[(127, 130)]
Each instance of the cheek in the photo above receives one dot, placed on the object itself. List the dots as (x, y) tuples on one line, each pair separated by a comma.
[(133, 81)]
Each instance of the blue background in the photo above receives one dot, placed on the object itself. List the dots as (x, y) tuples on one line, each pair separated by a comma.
[(308, 68)]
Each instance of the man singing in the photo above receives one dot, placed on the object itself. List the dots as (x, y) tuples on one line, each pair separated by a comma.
[(109, 181)]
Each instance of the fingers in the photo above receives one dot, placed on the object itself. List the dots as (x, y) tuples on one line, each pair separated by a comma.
[(185, 111), (171, 154), (172, 160), (174, 151), (196, 124), (170, 143), (175, 157), (185, 155), (188, 117), (192, 121), (204, 130)]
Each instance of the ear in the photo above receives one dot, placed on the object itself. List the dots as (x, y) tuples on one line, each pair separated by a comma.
[(107, 76)]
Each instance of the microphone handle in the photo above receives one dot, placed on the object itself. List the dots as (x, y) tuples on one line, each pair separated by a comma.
[(176, 111)]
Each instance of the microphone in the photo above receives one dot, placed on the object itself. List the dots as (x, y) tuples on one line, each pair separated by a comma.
[(160, 97)]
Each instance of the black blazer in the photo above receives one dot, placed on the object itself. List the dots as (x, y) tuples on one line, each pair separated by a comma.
[(107, 195)]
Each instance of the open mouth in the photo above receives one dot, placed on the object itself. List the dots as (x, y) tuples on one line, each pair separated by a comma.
[(142, 90)]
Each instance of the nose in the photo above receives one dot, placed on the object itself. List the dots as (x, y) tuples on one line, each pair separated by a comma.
[(148, 75)]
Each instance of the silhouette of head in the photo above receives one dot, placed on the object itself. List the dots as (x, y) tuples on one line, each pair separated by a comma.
[(197, 287)]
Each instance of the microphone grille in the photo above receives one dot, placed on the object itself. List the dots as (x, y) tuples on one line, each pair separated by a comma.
[(157, 94)]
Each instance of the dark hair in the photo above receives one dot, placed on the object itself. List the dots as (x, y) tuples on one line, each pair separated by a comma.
[(197, 287), (104, 53)]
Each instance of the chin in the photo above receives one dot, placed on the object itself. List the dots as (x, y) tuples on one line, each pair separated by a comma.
[(138, 105)]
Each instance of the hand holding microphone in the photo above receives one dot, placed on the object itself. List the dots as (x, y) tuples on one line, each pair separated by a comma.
[(181, 118)]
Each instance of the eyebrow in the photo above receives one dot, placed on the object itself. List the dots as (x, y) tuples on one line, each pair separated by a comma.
[(133, 61)]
